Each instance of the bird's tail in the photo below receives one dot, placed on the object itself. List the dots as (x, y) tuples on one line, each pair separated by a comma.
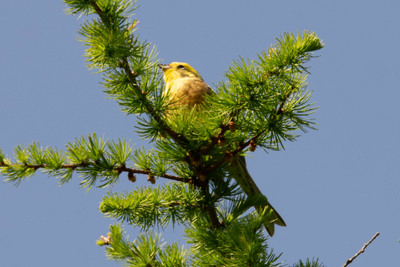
[(240, 173)]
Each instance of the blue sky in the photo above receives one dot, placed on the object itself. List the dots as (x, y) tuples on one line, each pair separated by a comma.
[(335, 187)]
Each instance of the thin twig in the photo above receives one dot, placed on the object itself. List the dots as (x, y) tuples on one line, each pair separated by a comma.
[(119, 169), (361, 250), (214, 140), (166, 176), (231, 154)]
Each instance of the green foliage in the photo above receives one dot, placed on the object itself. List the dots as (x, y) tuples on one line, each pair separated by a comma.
[(290, 52), (275, 88), (146, 207), (308, 263), (263, 102), (94, 159), (241, 243), (79, 7), (146, 250)]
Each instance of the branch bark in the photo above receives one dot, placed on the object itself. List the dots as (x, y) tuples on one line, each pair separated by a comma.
[(119, 169), (361, 250)]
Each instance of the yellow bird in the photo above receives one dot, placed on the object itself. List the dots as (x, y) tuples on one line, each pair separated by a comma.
[(185, 86)]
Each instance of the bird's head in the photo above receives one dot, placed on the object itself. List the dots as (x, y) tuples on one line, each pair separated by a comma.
[(177, 70)]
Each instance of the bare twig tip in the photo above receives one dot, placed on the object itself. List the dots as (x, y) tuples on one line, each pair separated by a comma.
[(361, 250)]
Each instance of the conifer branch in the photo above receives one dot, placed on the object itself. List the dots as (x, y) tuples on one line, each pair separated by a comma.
[(252, 141), (179, 138), (118, 169)]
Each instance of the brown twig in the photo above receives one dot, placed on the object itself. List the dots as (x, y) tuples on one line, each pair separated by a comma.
[(280, 108), (119, 169), (97, 8), (214, 140), (361, 250), (231, 154)]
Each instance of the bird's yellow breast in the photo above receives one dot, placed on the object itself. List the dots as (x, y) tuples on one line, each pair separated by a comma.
[(187, 90)]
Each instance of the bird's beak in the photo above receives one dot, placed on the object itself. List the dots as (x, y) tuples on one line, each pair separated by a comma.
[(164, 67)]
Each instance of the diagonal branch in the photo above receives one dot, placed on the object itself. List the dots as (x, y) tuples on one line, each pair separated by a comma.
[(178, 138), (361, 250)]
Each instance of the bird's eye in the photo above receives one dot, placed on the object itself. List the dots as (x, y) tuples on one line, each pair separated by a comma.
[(181, 67)]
